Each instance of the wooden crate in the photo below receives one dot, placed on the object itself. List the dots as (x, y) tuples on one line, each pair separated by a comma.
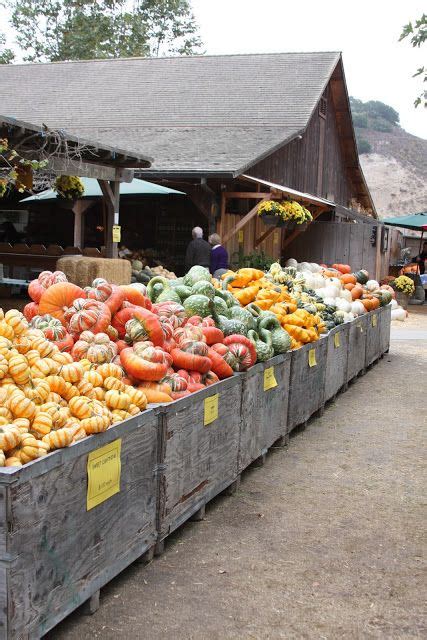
[(54, 553), (357, 346), (337, 360), (373, 337), (385, 326), (306, 388), (198, 461), (264, 412)]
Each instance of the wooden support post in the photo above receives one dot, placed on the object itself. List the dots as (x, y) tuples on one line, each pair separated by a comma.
[(111, 193), (222, 215), (80, 206), (378, 257), (243, 221)]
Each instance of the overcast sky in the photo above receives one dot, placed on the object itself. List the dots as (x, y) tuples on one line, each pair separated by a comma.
[(377, 66)]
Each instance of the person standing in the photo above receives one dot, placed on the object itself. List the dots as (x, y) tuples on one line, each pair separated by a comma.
[(198, 251), (219, 256)]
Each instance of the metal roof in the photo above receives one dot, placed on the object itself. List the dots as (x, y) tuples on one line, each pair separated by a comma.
[(292, 192)]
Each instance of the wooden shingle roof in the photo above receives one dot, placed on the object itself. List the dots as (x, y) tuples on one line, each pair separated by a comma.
[(201, 114)]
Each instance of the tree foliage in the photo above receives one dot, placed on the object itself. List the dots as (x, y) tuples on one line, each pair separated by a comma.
[(6, 55), (363, 146), (52, 30), (417, 33)]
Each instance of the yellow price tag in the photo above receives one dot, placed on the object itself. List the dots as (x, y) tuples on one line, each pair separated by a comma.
[(240, 236), (374, 320), (312, 358), (103, 473), (337, 341), (276, 237), (211, 409), (269, 379), (117, 233)]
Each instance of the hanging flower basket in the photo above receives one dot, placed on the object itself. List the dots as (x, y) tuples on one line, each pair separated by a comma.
[(69, 188), (271, 220)]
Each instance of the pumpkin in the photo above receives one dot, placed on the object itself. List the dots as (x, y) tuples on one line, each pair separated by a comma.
[(175, 381), (135, 296), (370, 304), (342, 268), (361, 276), (95, 424), (137, 396), (85, 315), (22, 407), (372, 285), (348, 278), (356, 292), (154, 396), (10, 437), (116, 399), (6, 330), (80, 407), (113, 383), (17, 321), (58, 298), (219, 366), (190, 356), (61, 437), (144, 326), (121, 318), (93, 377), (143, 365), (42, 424), (72, 372), (30, 310), (110, 369), (85, 388)]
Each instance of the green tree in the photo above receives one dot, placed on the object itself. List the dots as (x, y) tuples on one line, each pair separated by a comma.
[(378, 109), (6, 55), (363, 146), (51, 30), (417, 32)]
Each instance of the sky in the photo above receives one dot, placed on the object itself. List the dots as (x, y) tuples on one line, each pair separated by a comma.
[(377, 66)]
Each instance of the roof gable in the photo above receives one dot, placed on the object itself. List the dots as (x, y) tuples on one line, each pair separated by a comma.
[(197, 114)]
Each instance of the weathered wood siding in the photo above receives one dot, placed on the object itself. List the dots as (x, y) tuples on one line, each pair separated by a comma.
[(253, 230), (337, 360), (296, 164)]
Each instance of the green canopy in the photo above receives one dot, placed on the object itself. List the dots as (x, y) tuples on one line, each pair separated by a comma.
[(93, 190), (415, 221)]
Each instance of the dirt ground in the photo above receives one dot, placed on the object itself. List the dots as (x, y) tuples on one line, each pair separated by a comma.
[(324, 541)]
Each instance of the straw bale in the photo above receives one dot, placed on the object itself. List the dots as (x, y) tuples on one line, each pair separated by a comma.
[(82, 270)]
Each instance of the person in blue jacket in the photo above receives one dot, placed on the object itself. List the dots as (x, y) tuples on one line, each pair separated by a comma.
[(219, 256)]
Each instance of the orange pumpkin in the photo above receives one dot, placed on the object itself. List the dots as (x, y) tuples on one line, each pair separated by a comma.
[(356, 292), (370, 304), (58, 298), (348, 278), (342, 268)]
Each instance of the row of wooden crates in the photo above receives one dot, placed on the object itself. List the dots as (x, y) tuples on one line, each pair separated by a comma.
[(55, 553)]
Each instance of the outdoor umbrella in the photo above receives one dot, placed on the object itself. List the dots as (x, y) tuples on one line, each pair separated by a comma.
[(415, 221), (93, 190)]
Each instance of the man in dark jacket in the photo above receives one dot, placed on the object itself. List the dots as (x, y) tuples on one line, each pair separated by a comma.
[(198, 251)]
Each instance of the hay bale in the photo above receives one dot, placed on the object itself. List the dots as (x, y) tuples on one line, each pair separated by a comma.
[(82, 270)]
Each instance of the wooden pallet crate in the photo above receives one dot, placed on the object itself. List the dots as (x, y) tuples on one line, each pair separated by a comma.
[(336, 360), (385, 326), (198, 451), (55, 554), (373, 345), (307, 380), (358, 331), (265, 395)]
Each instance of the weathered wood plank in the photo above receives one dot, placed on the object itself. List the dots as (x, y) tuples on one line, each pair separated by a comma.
[(385, 326), (197, 461), (264, 413), (306, 388), (62, 554), (337, 360), (357, 346), (372, 337)]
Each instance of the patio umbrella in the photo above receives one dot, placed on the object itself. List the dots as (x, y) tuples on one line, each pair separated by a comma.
[(415, 221), (93, 190)]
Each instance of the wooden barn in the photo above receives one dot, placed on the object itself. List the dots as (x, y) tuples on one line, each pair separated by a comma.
[(229, 131)]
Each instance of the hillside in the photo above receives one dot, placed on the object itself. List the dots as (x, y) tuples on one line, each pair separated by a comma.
[(394, 162)]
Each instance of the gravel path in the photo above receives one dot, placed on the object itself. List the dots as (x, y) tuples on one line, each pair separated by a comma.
[(324, 541)]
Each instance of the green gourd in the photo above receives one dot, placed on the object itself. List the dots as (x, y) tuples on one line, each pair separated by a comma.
[(197, 305), (245, 316), (221, 306), (263, 344), (195, 274), (204, 288), (280, 339)]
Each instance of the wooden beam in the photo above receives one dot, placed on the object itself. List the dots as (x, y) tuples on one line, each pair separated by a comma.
[(88, 170), (243, 221), (245, 194), (265, 235), (222, 215), (107, 192)]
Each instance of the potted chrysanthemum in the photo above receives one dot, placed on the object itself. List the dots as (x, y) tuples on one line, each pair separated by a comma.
[(272, 213), (68, 188)]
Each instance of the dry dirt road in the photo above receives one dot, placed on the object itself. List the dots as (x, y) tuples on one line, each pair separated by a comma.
[(324, 541)]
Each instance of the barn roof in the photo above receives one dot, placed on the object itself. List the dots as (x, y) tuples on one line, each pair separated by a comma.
[(202, 114)]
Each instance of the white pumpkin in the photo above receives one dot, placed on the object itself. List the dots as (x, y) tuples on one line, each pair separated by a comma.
[(372, 285), (303, 266), (331, 291), (329, 301), (291, 262), (308, 277), (398, 314), (394, 304), (357, 308), (343, 305), (140, 287), (346, 295), (348, 317), (315, 268)]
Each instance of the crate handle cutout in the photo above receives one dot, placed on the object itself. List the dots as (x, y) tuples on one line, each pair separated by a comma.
[(312, 358), (211, 409), (103, 473), (269, 379), (337, 341), (374, 320)]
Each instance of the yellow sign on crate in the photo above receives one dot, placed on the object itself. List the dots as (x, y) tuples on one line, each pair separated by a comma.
[(211, 409), (269, 379), (312, 358), (359, 326), (374, 320), (337, 340), (103, 473), (240, 236)]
